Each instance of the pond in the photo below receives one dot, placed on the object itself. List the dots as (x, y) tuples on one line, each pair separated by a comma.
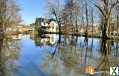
[(54, 55)]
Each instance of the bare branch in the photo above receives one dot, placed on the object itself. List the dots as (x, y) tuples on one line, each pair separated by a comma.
[(112, 6), (101, 10)]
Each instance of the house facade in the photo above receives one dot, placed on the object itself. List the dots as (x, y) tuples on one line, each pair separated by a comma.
[(46, 25)]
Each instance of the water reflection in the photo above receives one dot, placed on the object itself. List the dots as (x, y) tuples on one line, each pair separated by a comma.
[(8, 55), (53, 55), (76, 54), (46, 39), (108, 57)]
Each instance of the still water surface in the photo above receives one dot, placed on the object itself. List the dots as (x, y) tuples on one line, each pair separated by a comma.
[(71, 56)]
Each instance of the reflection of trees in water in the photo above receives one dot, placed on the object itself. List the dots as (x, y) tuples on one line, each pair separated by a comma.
[(104, 64), (37, 41), (105, 47), (70, 53), (74, 58), (86, 50), (1, 58), (67, 59), (67, 51), (116, 48), (64, 59), (8, 53), (71, 57), (107, 58)]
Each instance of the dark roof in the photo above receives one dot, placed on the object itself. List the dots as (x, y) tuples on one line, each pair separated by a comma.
[(43, 19), (51, 20)]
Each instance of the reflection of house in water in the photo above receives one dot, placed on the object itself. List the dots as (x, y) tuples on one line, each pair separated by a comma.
[(48, 39)]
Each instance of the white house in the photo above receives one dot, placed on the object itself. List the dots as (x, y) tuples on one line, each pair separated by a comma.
[(49, 26), (53, 26)]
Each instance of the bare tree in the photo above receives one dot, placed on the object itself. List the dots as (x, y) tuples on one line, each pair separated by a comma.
[(92, 20), (105, 9), (117, 21), (8, 17), (87, 21), (70, 16), (12, 12), (55, 10), (9, 14)]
